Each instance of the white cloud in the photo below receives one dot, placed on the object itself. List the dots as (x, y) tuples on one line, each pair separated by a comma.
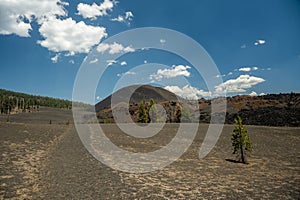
[(72, 62), (245, 69), (94, 10), (269, 68), (111, 62), (145, 61), (128, 15), (239, 84), (94, 61), (259, 42), (55, 58), (126, 18), (126, 73), (67, 35), (243, 46), (262, 94), (123, 63), (162, 41), (175, 71), (188, 92), (129, 73), (254, 68), (219, 75), (16, 15), (118, 19), (253, 93), (230, 73), (114, 48)]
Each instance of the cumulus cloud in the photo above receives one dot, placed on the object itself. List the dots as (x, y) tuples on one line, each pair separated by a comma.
[(94, 61), (129, 73), (245, 69), (162, 41), (188, 92), (16, 16), (111, 62), (124, 18), (114, 48), (68, 35), (243, 46), (55, 58), (118, 19), (94, 10), (253, 93), (259, 42), (219, 75), (239, 84), (254, 68), (126, 73), (123, 63), (128, 15), (175, 71)]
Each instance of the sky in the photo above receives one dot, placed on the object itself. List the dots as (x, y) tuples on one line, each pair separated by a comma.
[(255, 45)]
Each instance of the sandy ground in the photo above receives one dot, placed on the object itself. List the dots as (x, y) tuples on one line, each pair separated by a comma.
[(39, 160)]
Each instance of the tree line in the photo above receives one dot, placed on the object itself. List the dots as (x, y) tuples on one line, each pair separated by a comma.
[(19, 102), (148, 112)]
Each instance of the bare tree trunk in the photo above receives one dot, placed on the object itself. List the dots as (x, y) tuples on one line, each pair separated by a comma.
[(242, 154)]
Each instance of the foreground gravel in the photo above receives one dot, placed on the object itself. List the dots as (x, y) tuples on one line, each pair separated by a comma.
[(43, 161)]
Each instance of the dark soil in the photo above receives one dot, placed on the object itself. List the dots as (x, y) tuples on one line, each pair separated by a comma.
[(43, 161)]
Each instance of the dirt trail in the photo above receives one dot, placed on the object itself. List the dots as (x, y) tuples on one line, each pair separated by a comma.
[(24, 149), (72, 173)]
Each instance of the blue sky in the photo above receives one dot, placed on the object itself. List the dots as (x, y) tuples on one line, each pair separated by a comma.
[(255, 44)]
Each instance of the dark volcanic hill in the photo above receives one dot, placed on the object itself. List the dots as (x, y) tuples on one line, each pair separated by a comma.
[(139, 93), (268, 110)]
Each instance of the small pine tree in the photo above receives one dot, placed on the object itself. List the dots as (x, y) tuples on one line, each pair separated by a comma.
[(152, 110), (240, 140), (178, 114), (185, 114), (142, 113)]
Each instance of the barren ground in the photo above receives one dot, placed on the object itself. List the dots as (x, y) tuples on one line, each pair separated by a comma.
[(39, 160)]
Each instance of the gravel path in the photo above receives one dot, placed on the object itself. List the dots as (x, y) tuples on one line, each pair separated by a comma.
[(72, 173)]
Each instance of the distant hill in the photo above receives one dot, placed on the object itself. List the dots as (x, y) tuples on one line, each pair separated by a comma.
[(13, 102), (141, 93), (269, 110)]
